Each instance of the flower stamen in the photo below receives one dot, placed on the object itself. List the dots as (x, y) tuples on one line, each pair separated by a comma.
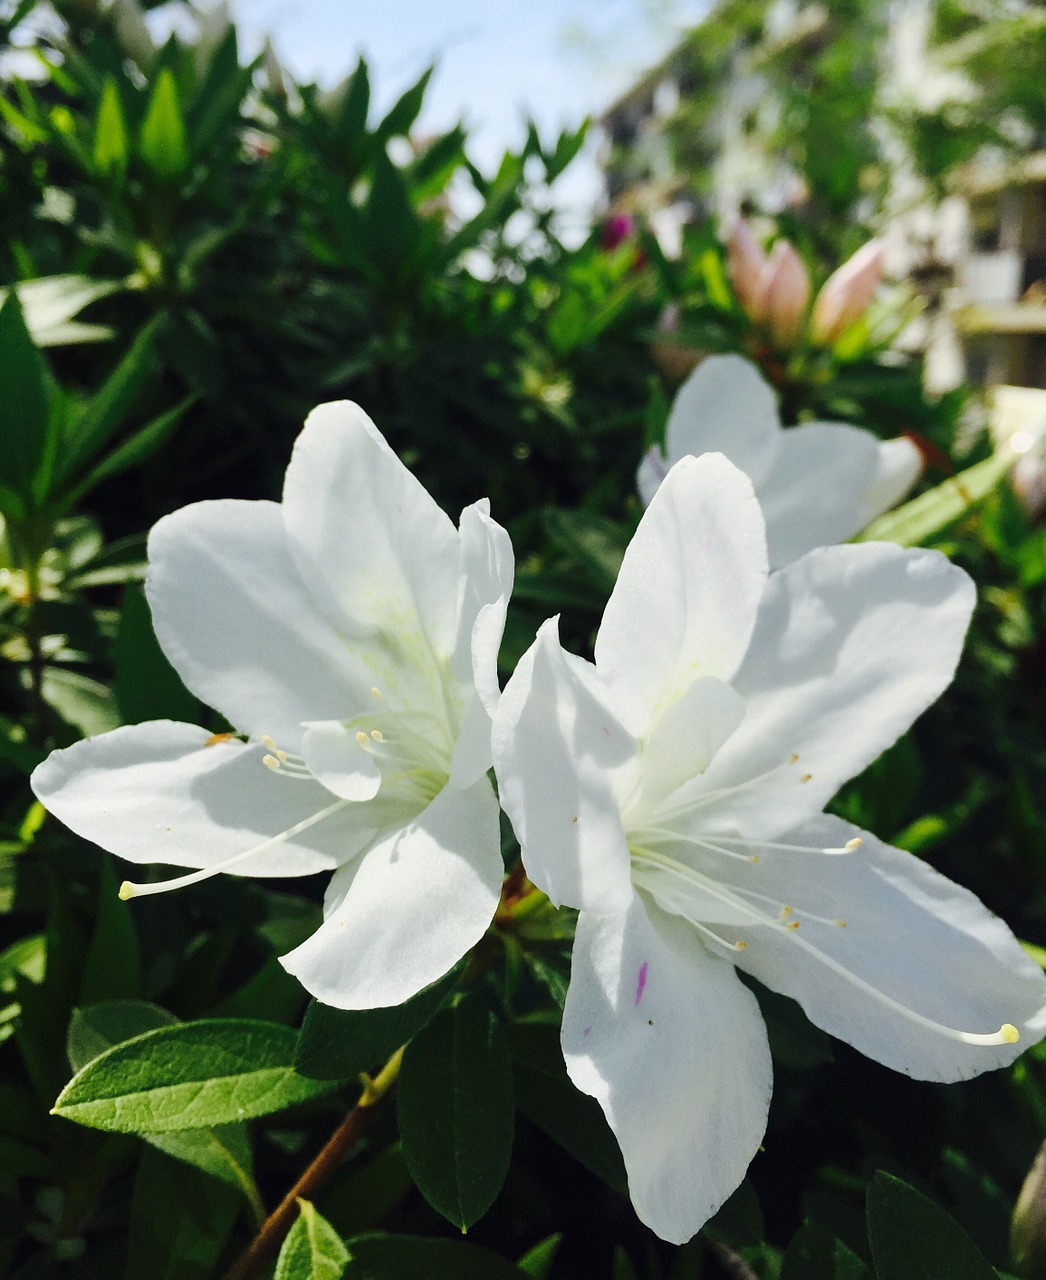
[(131, 889)]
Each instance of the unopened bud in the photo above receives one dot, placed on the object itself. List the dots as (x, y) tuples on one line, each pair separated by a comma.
[(847, 293), (782, 294), (745, 262), (1028, 1226)]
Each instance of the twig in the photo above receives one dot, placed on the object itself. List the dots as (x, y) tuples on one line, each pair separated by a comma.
[(266, 1243)]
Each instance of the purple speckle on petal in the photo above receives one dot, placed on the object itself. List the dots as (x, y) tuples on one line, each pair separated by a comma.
[(658, 463), (641, 982), (586, 1031)]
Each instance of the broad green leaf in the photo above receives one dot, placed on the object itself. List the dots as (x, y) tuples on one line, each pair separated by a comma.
[(384, 1257), (49, 304), (110, 150), (456, 1111), (313, 1249), (337, 1044), (545, 1095), (180, 1221), (930, 513), (189, 1076), (25, 399), (223, 1151), (162, 141), (815, 1254), (914, 1239), (147, 686)]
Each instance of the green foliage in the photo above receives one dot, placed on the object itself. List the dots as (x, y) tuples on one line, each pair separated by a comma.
[(913, 1238), (313, 1250)]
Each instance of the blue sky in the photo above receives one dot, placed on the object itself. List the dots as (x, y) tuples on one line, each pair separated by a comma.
[(558, 59)]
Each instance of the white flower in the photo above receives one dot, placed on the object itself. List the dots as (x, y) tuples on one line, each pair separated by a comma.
[(350, 634), (818, 483), (673, 792)]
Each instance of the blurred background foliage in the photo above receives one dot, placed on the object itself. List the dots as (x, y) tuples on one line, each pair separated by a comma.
[(195, 251)]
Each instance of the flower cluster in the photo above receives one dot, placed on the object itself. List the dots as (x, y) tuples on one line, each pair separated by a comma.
[(672, 790)]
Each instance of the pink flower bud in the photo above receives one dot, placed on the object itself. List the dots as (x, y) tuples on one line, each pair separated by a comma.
[(745, 260), (847, 293), (616, 230), (782, 294)]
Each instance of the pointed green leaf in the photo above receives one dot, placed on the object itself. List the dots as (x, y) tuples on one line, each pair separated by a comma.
[(95, 1028), (815, 1254), (189, 1076), (147, 686), (380, 1257), (50, 303), (112, 970), (313, 1249), (405, 111), (107, 410), (455, 1110), (928, 514), (914, 1239), (110, 151), (162, 142), (337, 1044), (25, 399), (136, 448)]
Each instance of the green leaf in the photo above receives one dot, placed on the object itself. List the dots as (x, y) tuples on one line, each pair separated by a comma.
[(84, 703), (25, 399), (111, 148), (596, 542), (815, 1254), (97, 1027), (162, 142), (313, 1249), (189, 1076), (107, 410), (545, 1095), (537, 1261), (928, 514), (147, 686), (133, 450), (112, 969), (180, 1221), (384, 1257), (405, 110), (914, 1239), (456, 1111), (337, 1044)]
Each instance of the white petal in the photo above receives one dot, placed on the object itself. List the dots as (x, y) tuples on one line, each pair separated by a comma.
[(486, 584), (671, 1044), (727, 407), (814, 495), (649, 474), (910, 934), (402, 915), (157, 792), (557, 752), (898, 467), (381, 558), (686, 597), (335, 758), (240, 627), (852, 643), (684, 740)]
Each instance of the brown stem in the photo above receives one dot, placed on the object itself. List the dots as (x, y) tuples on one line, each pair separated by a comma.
[(274, 1229)]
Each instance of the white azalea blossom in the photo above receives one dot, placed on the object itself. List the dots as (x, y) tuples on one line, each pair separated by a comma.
[(673, 791), (350, 635), (818, 483)]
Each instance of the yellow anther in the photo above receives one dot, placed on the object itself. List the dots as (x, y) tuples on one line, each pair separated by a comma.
[(740, 945), (793, 757), (786, 912), (269, 742), (377, 735), (806, 777), (754, 857), (270, 762), (792, 924), (853, 844), (841, 924), (375, 692), (362, 738)]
